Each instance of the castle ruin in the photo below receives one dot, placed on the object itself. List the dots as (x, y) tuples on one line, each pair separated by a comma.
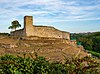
[(41, 31)]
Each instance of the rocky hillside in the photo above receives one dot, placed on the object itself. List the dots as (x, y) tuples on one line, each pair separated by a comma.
[(50, 48)]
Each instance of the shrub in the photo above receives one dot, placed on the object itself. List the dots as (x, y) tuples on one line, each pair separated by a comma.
[(10, 64)]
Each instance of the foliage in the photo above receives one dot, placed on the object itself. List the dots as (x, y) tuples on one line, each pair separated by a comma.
[(90, 41), (14, 24), (95, 53), (96, 34), (18, 65), (86, 65), (4, 34), (96, 45)]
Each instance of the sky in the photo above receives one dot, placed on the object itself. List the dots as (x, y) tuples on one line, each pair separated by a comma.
[(73, 16)]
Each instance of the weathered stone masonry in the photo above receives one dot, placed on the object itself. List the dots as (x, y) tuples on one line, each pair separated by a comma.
[(41, 31)]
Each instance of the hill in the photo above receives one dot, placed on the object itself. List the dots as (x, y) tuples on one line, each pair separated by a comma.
[(90, 41), (52, 49)]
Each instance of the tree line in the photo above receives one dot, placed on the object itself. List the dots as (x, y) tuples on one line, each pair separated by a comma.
[(90, 41)]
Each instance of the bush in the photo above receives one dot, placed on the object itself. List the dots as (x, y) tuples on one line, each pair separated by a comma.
[(4, 34), (17, 65)]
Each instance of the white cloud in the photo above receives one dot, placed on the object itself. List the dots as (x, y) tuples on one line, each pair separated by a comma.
[(66, 10), (49, 11)]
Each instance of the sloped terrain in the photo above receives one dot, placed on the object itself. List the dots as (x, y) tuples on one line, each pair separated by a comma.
[(50, 48)]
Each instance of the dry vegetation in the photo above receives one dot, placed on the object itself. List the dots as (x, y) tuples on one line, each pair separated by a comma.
[(50, 48)]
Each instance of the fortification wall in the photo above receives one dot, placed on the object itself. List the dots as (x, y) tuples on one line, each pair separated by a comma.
[(41, 31), (45, 31), (28, 25), (18, 33)]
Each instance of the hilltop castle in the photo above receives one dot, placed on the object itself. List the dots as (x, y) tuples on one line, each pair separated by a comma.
[(41, 31)]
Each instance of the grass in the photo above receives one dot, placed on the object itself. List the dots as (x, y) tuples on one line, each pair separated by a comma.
[(94, 53), (97, 36)]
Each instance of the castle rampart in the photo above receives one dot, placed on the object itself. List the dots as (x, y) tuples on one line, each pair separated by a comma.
[(41, 31)]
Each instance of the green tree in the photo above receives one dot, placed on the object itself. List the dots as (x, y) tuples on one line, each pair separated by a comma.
[(14, 24), (96, 45), (86, 42)]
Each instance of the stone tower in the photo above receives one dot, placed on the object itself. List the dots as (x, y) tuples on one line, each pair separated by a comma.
[(28, 26)]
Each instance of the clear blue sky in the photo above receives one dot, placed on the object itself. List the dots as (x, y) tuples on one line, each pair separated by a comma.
[(66, 15)]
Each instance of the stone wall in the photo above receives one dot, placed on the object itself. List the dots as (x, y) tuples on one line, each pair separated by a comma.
[(28, 25), (41, 31), (18, 33), (46, 31)]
